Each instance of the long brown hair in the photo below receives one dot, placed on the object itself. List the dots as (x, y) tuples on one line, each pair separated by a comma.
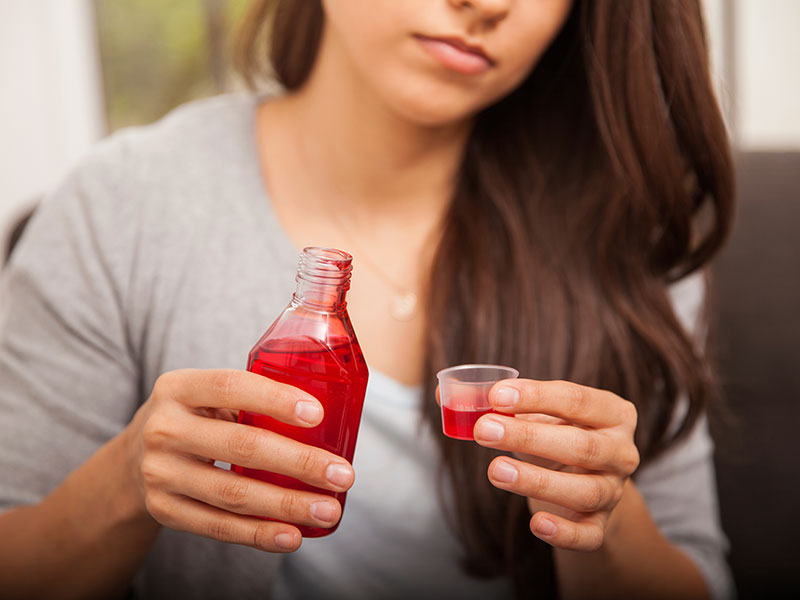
[(582, 195)]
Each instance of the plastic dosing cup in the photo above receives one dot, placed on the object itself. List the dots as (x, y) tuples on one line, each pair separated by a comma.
[(464, 394)]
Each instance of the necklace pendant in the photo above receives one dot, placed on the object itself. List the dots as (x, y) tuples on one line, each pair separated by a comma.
[(404, 306)]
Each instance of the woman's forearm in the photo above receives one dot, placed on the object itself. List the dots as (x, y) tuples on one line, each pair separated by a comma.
[(86, 539), (634, 561)]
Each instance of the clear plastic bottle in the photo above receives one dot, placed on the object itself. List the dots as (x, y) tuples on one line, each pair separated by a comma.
[(312, 346)]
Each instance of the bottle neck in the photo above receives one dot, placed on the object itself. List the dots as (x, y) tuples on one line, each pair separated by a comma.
[(319, 296), (323, 278)]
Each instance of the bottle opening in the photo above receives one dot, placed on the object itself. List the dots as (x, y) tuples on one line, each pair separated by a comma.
[(326, 266), (323, 278)]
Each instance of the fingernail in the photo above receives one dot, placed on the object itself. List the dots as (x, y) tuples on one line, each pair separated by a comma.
[(338, 475), (504, 472), (506, 397), (546, 527), (308, 412), (323, 511), (489, 430), (285, 541)]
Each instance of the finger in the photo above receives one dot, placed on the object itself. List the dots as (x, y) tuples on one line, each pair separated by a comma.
[(257, 448), (185, 514), (579, 492), (241, 390), (569, 401), (244, 495), (584, 448), (584, 535)]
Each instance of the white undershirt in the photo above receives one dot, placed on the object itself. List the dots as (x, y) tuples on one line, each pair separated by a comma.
[(393, 540)]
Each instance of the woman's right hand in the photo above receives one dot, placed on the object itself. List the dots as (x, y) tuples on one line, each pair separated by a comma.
[(189, 421)]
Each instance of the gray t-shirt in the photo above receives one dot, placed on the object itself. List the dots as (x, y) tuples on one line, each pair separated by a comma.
[(161, 251)]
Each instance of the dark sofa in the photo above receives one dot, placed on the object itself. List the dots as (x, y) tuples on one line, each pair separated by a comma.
[(756, 335)]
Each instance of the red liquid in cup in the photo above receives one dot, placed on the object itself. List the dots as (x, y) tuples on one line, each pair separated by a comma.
[(460, 423), (337, 376)]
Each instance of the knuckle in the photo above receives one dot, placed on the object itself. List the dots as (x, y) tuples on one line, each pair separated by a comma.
[(586, 448), (574, 537), (235, 492), (221, 529), (167, 384), (152, 473), (163, 383), (595, 497), (527, 433), (154, 507), (539, 484), (157, 508), (531, 390), (577, 398), (626, 459), (289, 506), (243, 444), (595, 541), (226, 387), (307, 461), (631, 414), (156, 431), (262, 537), (632, 460)]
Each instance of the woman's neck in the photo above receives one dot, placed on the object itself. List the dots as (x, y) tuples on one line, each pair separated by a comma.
[(373, 161)]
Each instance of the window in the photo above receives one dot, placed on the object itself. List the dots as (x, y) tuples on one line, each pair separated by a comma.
[(157, 54)]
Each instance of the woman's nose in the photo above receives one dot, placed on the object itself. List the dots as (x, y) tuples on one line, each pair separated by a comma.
[(490, 11)]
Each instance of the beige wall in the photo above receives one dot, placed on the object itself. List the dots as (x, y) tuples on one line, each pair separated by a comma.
[(51, 100), (767, 55), (755, 53)]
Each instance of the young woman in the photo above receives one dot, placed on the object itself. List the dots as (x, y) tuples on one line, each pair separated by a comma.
[(542, 176)]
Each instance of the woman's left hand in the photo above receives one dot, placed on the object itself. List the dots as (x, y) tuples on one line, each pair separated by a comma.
[(573, 454)]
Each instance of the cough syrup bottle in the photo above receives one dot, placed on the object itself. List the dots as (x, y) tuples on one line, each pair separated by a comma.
[(312, 346)]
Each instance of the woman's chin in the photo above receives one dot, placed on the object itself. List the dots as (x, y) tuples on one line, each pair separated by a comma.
[(435, 110)]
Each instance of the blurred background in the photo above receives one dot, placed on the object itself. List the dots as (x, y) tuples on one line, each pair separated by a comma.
[(73, 71)]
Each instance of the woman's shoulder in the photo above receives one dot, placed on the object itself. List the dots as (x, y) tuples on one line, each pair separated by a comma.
[(147, 185), (201, 131), (190, 162)]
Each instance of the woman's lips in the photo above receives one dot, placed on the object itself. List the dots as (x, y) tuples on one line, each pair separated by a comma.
[(457, 55)]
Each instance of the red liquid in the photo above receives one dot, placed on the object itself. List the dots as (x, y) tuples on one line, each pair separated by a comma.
[(460, 423), (337, 377)]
